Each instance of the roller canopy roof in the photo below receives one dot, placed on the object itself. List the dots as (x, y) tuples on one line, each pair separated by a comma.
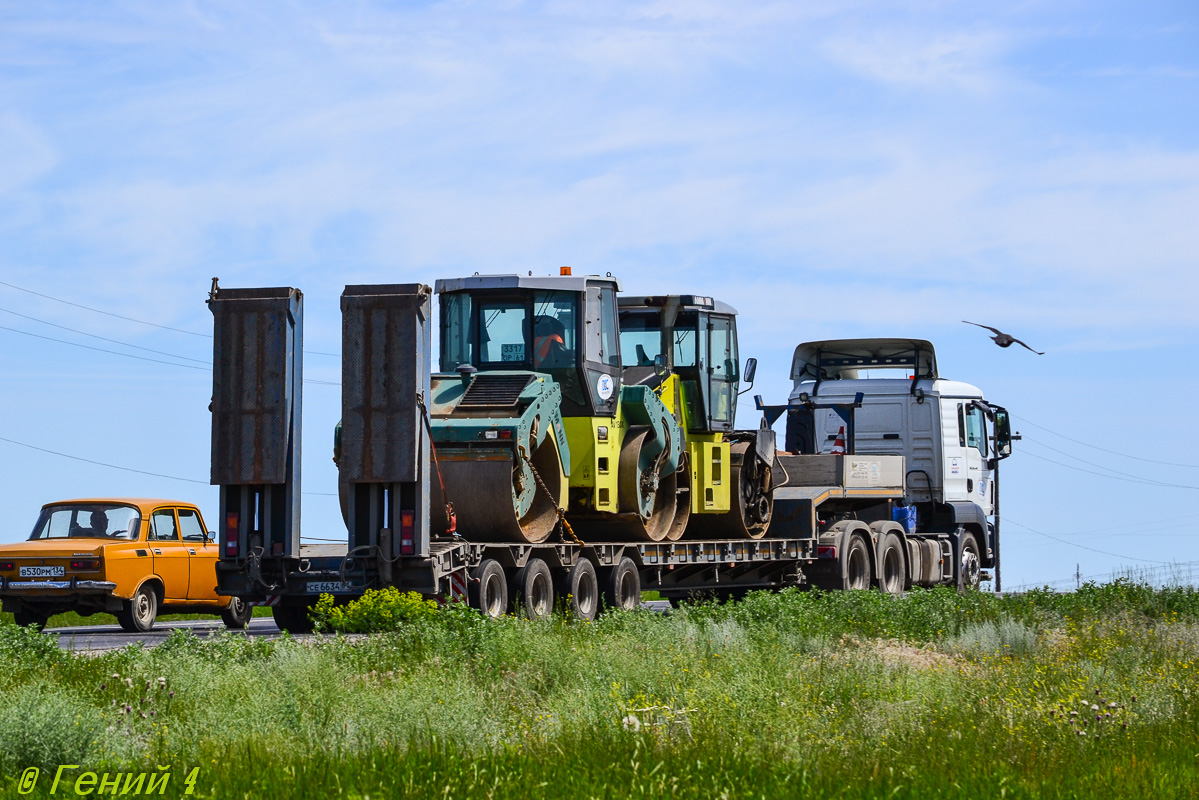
[(834, 359), (554, 283), (687, 301)]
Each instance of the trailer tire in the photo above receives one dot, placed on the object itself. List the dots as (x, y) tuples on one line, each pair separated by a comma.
[(138, 613), (292, 619), (533, 589), (969, 562), (857, 571), (580, 590), (622, 586), (488, 589), (237, 614), (892, 570)]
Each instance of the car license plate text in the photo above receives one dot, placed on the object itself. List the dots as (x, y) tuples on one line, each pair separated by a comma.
[(329, 587), (42, 572)]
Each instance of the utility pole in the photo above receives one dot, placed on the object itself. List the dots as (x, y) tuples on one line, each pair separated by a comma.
[(1077, 577)]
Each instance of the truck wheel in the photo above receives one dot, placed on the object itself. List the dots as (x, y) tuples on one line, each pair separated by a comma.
[(580, 588), (293, 619), (969, 563), (137, 615), (892, 571), (25, 616), (622, 587), (533, 589), (856, 569), (237, 615), (488, 591)]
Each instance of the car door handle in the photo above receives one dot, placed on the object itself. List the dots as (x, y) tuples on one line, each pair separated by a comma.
[(191, 550), (157, 552)]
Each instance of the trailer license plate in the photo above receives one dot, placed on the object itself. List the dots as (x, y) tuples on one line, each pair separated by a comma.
[(329, 587), (42, 572)]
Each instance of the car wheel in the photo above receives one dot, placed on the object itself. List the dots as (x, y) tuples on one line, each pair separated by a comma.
[(137, 615), (25, 616), (237, 615)]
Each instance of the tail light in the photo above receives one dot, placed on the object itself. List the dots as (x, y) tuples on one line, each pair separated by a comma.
[(232, 535), (6, 566), (86, 564), (407, 533), (828, 551)]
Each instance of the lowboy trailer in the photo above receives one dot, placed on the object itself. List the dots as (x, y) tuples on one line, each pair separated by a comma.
[(831, 517)]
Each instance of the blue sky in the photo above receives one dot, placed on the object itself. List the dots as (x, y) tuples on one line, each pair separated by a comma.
[(831, 169)]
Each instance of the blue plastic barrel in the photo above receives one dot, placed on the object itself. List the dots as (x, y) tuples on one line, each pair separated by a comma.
[(905, 516)]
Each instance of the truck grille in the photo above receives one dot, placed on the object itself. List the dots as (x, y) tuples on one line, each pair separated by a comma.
[(494, 391)]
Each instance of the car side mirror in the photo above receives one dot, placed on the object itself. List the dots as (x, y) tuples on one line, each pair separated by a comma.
[(209, 536), (751, 368)]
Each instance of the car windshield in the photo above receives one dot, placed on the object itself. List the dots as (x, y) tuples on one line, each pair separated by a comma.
[(87, 521)]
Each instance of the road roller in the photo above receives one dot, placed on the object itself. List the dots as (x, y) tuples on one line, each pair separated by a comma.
[(532, 422), (684, 347)]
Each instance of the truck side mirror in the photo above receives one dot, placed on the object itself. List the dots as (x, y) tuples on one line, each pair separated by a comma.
[(1003, 433), (660, 365), (751, 368)]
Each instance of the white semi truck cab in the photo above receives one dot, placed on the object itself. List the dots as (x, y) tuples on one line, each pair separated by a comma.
[(886, 397)]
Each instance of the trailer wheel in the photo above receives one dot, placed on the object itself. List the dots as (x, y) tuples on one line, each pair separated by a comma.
[(237, 615), (488, 592), (580, 587), (892, 571), (969, 563), (293, 619), (622, 586), (533, 589), (857, 572)]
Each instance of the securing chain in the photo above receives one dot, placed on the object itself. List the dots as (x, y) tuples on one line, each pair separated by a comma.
[(450, 518), (564, 526)]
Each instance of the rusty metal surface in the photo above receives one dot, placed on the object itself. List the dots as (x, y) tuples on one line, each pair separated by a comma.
[(384, 371), (255, 384)]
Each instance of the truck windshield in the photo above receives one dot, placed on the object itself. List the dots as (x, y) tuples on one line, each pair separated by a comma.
[(87, 521)]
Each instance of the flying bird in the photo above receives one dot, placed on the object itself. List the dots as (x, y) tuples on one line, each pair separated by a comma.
[(1003, 339)]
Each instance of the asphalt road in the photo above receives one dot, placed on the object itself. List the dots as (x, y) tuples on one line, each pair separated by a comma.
[(98, 638)]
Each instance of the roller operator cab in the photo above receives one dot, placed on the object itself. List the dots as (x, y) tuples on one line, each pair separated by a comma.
[(951, 438), (529, 403)]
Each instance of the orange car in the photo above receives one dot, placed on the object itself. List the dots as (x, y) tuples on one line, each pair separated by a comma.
[(135, 558)]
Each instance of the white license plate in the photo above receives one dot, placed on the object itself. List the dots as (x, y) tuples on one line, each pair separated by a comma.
[(42, 572), (329, 587)]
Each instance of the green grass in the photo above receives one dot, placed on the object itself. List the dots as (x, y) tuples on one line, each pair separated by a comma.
[(795, 694), (73, 620)]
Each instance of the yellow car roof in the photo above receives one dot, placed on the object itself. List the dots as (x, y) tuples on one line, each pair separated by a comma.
[(144, 504)]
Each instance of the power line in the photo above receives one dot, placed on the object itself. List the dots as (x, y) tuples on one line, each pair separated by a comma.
[(127, 469), (1099, 466), (101, 338), (1104, 449), (1106, 575), (129, 319), (1113, 477), (101, 463), (100, 349), (101, 311), (1083, 546), (206, 366)]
